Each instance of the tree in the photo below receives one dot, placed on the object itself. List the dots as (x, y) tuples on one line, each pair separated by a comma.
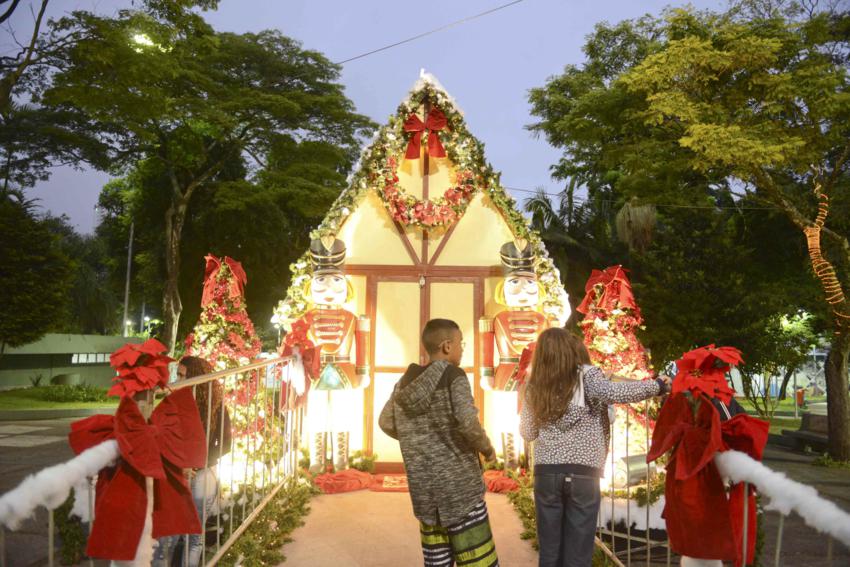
[(265, 222), (34, 275), (700, 109), (162, 86), (92, 303)]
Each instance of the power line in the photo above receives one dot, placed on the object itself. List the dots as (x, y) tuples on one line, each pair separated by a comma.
[(433, 31)]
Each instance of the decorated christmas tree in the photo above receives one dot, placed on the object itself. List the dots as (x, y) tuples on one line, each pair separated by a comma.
[(224, 335), (611, 317)]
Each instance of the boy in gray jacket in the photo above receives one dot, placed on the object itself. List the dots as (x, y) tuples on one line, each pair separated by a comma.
[(432, 414)]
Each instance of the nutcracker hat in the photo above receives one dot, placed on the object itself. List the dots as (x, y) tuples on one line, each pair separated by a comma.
[(327, 255), (517, 258)]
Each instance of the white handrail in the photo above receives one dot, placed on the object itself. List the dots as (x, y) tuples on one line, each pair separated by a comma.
[(50, 487), (786, 494)]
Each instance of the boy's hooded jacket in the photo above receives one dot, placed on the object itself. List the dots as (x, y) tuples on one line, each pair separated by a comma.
[(432, 414)]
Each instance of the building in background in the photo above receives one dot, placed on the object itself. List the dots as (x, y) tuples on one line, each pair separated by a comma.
[(61, 359)]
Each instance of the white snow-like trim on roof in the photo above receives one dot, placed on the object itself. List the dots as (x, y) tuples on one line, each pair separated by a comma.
[(426, 79)]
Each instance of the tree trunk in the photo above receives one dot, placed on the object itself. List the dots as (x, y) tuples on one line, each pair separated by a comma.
[(789, 372), (837, 400), (172, 307)]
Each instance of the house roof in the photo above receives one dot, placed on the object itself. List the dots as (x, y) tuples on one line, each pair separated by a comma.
[(466, 152), (61, 343)]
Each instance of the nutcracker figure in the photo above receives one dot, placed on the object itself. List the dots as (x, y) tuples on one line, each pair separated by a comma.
[(324, 337), (513, 331)]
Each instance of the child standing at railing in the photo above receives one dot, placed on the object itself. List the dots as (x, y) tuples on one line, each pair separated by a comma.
[(203, 482), (566, 415)]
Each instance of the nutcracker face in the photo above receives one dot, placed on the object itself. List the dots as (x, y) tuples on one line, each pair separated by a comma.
[(521, 291), (328, 289)]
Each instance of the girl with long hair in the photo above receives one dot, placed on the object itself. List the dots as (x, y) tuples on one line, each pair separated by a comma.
[(565, 414)]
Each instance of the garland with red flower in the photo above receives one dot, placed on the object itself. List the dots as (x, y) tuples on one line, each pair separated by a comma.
[(426, 213)]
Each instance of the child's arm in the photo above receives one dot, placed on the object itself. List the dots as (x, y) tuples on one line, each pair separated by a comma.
[(463, 407), (526, 423), (387, 419), (599, 389)]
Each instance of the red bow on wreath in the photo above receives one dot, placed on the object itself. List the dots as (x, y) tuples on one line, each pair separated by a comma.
[(435, 121), (173, 440), (237, 284)]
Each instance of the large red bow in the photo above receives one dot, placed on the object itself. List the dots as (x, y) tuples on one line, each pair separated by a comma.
[(616, 292), (701, 520), (173, 440), (435, 121), (237, 284)]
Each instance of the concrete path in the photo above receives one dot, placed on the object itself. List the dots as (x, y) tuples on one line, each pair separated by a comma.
[(377, 529)]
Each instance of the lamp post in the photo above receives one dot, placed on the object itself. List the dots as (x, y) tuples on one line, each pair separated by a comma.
[(127, 322)]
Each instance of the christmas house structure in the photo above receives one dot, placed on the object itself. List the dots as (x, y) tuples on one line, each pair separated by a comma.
[(424, 230)]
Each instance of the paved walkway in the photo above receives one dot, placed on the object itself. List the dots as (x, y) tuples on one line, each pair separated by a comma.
[(377, 529)]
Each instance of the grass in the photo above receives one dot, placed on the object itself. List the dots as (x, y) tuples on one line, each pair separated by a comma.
[(786, 405), (39, 398), (778, 424)]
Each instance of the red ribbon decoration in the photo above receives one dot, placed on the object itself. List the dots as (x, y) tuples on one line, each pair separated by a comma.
[(434, 122), (173, 440), (701, 520), (616, 292), (525, 362), (310, 356), (237, 285)]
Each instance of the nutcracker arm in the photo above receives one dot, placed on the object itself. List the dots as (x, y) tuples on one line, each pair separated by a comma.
[(486, 345), (362, 344)]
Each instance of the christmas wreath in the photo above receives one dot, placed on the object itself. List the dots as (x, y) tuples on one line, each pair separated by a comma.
[(426, 213)]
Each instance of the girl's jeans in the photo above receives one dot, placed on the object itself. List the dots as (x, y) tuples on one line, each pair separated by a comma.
[(567, 507), (205, 493)]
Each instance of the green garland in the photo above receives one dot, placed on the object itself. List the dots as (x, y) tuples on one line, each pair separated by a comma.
[(262, 542), (467, 155), (71, 533)]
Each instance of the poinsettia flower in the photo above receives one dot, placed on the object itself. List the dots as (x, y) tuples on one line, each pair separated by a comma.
[(710, 359), (129, 354), (140, 367), (703, 371)]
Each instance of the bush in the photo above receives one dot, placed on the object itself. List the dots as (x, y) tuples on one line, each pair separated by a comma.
[(75, 393), (363, 462)]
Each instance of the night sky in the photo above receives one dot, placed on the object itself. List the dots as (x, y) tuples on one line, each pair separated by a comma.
[(487, 64)]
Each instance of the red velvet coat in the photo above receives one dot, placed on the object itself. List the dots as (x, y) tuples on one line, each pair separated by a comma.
[(172, 440), (702, 521)]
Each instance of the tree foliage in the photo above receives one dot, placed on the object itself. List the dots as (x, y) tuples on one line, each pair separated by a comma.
[(178, 103), (737, 115), (34, 275)]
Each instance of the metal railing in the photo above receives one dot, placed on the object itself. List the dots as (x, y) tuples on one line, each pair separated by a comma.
[(229, 492), (624, 546)]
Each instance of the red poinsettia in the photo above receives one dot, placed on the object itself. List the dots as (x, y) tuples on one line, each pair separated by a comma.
[(140, 367), (703, 370)]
